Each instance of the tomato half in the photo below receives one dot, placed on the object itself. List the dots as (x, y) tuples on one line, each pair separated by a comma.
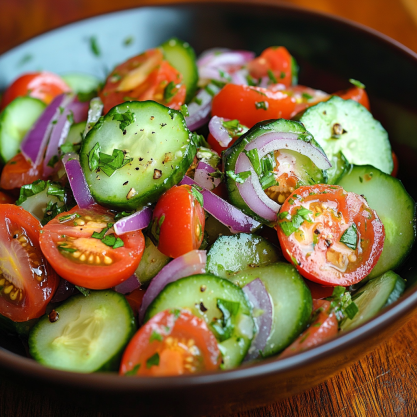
[(147, 76), (171, 343), (396, 165), (323, 327), (42, 85), (331, 236), (355, 93), (18, 172), (275, 62), (96, 263), (251, 105), (178, 221), (27, 282), (319, 291)]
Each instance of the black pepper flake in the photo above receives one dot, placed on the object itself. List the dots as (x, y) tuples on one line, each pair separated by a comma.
[(152, 117), (203, 288), (125, 183), (328, 242), (163, 124), (140, 159), (15, 236), (153, 133), (317, 231), (142, 130), (157, 173), (137, 168), (202, 307), (53, 316)]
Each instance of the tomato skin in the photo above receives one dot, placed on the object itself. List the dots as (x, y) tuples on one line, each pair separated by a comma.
[(181, 219), (42, 85), (319, 291), (167, 334), (323, 328), (19, 238), (6, 198), (149, 84), (18, 172), (396, 165), (275, 59), (80, 272), (355, 93), (135, 299), (328, 261), (241, 102)]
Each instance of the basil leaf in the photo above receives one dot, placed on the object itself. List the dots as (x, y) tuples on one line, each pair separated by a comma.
[(197, 195), (350, 237), (240, 178), (224, 327), (351, 310), (93, 157), (52, 210), (254, 160), (153, 360)]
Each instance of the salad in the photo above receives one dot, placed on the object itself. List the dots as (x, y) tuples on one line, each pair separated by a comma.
[(189, 215)]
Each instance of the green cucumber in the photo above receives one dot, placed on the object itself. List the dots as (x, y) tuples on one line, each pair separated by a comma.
[(182, 57), (84, 85), (151, 263), (291, 300), (15, 121), (222, 305), (75, 133), (20, 328), (90, 334), (345, 125), (394, 206), (156, 150), (340, 167), (374, 296), (304, 169), (232, 254)]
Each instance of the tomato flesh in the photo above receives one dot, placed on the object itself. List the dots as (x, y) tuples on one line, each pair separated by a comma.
[(171, 343), (27, 282), (87, 261), (178, 222), (313, 233), (355, 93)]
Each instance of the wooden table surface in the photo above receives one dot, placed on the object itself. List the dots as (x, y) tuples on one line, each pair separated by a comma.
[(383, 383)]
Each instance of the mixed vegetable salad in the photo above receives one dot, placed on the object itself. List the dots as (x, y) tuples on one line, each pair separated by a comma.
[(188, 215)]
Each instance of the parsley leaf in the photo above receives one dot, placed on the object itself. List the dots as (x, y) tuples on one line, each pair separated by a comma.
[(52, 210), (254, 160), (170, 91), (53, 161), (184, 110), (272, 77), (350, 237), (155, 336), (94, 46), (268, 180), (125, 119), (122, 214), (93, 157), (195, 192), (234, 128), (84, 291), (153, 361), (289, 227), (261, 105), (351, 310), (356, 83), (240, 178), (224, 327), (133, 371)]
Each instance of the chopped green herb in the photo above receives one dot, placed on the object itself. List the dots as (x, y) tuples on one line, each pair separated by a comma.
[(128, 41), (25, 59), (351, 310), (110, 163), (93, 157), (197, 195), (350, 237), (261, 105), (69, 147), (84, 291), (360, 179), (240, 178), (289, 227), (122, 214), (153, 361), (170, 90), (53, 161), (68, 217), (94, 46), (155, 229), (282, 75), (224, 327), (268, 180), (133, 371), (272, 77), (101, 235), (52, 210), (155, 336), (70, 117), (254, 160), (209, 90), (184, 110), (356, 83), (306, 96), (234, 128), (125, 119), (64, 248), (283, 215), (338, 292)]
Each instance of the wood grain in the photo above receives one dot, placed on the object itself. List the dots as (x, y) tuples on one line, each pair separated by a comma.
[(383, 383)]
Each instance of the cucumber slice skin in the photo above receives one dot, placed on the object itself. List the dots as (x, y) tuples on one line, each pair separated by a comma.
[(81, 82), (374, 296), (394, 206), (313, 175), (365, 140), (204, 290), (182, 57), (15, 121), (291, 300), (106, 314), (158, 141), (232, 254), (75, 133), (340, 166)]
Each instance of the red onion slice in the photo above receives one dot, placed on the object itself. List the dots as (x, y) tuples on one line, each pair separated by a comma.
[(65, 290), (34, 144), (223, 58), (199, 109), (126, 287), (203, 178), (193, 262), (136, 221), (60, 131), (77, 180), (225, 212), (260, 300), (219, 132), (240, 77)]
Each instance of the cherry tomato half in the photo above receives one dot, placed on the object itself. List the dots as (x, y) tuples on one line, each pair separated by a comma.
[(18, 172), (27, 282), (355, 93), (147, 76), (251, 105), (42, 85), (322, 328), (98, 262), (171, 343), (178, 221), (331, 236)]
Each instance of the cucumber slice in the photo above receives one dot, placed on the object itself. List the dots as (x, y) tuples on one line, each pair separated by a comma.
[(154, 136), (75, 133), (291, 299), (232, 254), (340, 167), (205, 295), (84, 85), (374, 296), (395, 207), (304, 169), (15, 121), (89, 335), (182, 57), (151, 263), (14, 327), (347, 126)]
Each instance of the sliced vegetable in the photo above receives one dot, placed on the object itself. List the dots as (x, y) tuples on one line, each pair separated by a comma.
[(136, 221)]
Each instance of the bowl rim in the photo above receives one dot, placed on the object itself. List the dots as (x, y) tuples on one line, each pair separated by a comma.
[(17, 365)]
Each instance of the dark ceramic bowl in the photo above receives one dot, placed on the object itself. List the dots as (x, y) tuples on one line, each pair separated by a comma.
[(329, 51)]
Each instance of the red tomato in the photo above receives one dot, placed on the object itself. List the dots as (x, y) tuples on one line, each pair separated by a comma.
[(395, 169), (135, 299), (322, 328), (275, 61), (87, 261), (27, 282), (306, 97), (178, 221), (171, 343), (18, 172), (42, 85), (6, 198), (251, 105), (319, 291), (355, 93), (144, 77), (331, 236)]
